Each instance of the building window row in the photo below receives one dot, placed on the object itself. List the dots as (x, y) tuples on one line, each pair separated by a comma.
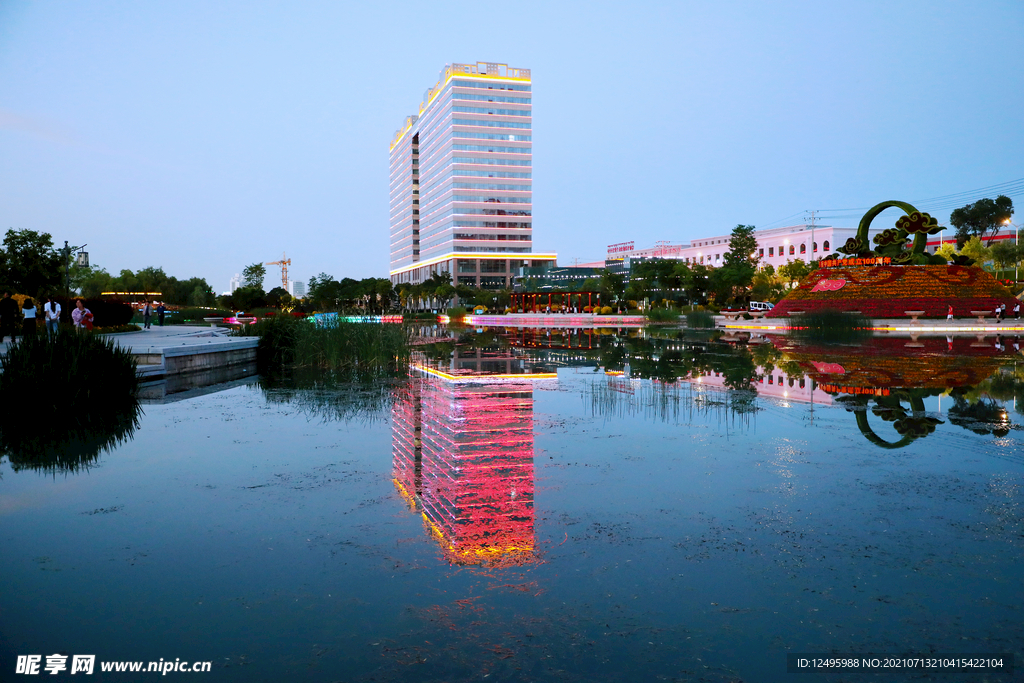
[(490, 98), (491, 112), (480, 85)]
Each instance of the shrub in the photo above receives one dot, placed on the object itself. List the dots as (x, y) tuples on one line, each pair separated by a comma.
[(66, 400), (420, 315), (700, 319), (830, 325), (606, 310), (196, 314), (456, 312)]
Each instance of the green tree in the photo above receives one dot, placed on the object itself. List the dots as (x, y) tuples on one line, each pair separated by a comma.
[(253, 274), (975, 249), (1005, 254), (613, 285), (278, 297), (794, 271), (733, 279), (30, 265), (981, 217)]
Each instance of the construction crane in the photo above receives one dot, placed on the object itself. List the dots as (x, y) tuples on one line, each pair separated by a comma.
[(284, 263)]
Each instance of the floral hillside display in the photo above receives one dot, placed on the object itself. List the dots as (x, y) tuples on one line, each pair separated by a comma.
[(882, 364), (891, 279)]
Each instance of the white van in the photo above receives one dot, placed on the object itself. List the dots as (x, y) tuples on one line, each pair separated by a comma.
[(761, 306)]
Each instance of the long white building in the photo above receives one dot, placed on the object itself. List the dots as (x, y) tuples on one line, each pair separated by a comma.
[(775, 246)]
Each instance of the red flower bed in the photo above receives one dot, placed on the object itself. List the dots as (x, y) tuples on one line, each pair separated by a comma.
[(890, 291)]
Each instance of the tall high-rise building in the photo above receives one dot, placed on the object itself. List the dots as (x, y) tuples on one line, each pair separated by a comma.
[(236, 282), (461, 180), (297, 288)]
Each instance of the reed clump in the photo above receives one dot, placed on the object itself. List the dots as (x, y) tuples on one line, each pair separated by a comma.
[(701, 320), (66, 400), (829, 325), (365, 349)]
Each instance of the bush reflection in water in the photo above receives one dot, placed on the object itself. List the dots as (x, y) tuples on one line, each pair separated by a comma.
[(66, 400)]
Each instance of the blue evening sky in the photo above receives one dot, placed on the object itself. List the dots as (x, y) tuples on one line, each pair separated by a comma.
[(204, 136)]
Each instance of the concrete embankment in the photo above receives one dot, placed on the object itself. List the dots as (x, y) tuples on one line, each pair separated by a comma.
[(179, 358)]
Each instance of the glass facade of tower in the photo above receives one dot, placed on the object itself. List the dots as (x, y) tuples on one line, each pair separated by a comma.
[(461, 179)]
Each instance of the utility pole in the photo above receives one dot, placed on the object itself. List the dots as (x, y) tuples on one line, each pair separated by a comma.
[(814, 215)]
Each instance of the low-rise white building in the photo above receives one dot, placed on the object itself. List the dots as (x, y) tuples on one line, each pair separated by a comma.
[(775, 246)]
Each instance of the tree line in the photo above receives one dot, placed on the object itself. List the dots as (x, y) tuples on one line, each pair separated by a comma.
[(31, 265)]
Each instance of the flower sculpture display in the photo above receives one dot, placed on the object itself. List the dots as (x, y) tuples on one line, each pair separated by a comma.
[(895, 277), (877, 377)]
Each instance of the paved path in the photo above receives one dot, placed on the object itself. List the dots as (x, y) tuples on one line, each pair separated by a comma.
[(165, 337)]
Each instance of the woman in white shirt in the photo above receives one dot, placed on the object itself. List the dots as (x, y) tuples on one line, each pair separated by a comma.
[(28, 323), (51, 312)]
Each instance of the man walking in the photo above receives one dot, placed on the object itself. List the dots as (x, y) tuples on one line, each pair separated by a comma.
[(160, 310), (147, 312), (8, 316)]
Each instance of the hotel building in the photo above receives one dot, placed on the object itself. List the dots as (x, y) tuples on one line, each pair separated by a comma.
[(462, 445), (461, 180)]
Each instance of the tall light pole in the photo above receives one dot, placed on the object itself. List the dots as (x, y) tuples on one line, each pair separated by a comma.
[(67, 265), (1016, 263)]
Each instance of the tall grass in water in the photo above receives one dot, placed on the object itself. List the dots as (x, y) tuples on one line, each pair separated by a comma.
[(66, 400), (828, 325), (662, 315), (360, 349), (700, 320)]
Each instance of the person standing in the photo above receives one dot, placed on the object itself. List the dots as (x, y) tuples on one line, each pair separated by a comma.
[(160, 310), (51, 311), (949, 314), (147, 313), (999, 314), (28, 323), (81, 316), (8, 316), (1016, 310)]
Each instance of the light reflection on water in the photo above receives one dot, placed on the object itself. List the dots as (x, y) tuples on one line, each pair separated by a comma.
[(543, 507)]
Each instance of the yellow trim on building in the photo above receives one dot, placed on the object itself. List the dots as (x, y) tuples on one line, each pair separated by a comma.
[(459, 254)]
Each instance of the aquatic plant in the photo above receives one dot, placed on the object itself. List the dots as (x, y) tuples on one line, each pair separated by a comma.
[(662, 315), (330, 396), (456, 312), (700, 320), (66, 400), (365, 349), (830, 325)]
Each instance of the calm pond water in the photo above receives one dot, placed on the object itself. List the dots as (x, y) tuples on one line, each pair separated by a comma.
[(544, 507)]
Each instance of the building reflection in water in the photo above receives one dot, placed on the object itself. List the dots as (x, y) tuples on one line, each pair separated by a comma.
[(463, 455)]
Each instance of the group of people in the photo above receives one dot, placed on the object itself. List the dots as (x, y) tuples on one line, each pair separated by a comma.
[(1000, 312), (81, 316), (147, 313)]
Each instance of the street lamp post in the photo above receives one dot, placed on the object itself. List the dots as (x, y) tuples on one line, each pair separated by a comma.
[(67, 266), (1016, 242)]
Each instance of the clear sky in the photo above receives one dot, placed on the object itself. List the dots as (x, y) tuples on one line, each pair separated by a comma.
[(204, 136)]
